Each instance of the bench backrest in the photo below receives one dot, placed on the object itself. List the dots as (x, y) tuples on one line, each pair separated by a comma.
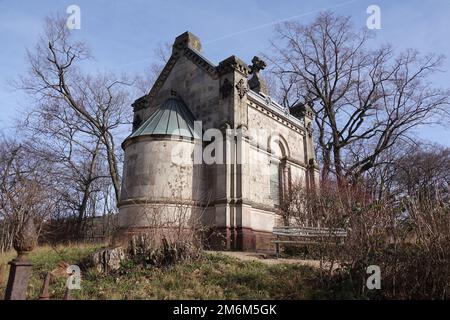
[(309, 232)]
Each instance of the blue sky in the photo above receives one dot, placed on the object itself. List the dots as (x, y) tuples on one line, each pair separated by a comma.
[(123, 34)]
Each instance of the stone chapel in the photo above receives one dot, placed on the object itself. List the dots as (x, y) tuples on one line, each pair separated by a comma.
[(239, 196)]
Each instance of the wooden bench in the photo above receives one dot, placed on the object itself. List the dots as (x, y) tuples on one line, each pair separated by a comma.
[(305, 235)]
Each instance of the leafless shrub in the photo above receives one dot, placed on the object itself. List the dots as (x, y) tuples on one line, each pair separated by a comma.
[(407, 238), (171, 234), (26, 191)]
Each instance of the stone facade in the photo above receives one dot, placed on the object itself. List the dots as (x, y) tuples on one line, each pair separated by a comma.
[(265, 149)]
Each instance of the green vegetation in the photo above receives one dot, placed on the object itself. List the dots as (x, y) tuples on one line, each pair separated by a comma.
[(46, 259), (215, 276)]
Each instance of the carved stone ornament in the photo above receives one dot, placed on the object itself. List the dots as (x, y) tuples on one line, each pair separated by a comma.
[(136, 122), (257, 65), (25, 240), (242, 88), (226, 88), (256, 82), (309, 129)]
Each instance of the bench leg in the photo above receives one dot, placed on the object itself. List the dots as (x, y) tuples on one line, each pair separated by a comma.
[(277, 245)]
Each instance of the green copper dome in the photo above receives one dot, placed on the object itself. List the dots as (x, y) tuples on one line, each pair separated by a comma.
[(173, 117)]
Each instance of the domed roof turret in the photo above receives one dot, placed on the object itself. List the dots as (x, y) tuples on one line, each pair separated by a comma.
[(173, 117)]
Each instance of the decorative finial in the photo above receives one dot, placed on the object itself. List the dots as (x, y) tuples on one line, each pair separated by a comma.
[(26, 238), (257, 65), (256, 83), (187, 40)]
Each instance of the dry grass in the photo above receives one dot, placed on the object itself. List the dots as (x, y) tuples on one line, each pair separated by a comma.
[(46, 259), (215, 276)]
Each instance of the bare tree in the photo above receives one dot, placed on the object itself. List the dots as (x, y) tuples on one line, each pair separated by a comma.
[(366, 101), (161, 56), (26, 191), (58, 137), (407, 238), (417, 171), (93, 106), (75, 121)]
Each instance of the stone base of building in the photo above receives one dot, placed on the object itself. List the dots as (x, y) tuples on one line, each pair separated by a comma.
[(234, 239), (153, 235), (239, 239)]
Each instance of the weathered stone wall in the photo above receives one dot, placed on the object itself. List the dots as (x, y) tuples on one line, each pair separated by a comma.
[(265, 120), (161, 169), (263, 150), (160, 178), (197, 88), (158, 215), (234, 197), (273, 139)]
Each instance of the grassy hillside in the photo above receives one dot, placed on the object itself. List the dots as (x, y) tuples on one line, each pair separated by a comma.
[(46, 259), (213, 277)]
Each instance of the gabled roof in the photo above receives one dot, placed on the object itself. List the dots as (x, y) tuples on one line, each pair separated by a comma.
[(173, 117), (188, 45)]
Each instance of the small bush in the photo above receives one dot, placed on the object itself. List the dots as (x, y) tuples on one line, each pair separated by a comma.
[(144, 250), (408, 238)]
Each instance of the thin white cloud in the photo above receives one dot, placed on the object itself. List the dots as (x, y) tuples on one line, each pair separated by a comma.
[(265, 25), (274, 22)]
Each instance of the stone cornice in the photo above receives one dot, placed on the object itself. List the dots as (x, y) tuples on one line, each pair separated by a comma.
[(247, 202), (185, 202), (275, 111), (164, 74), (233, 63), (187, 45), (195, 56), (140, 103), (192, 55), (158, 137), (161, 201)]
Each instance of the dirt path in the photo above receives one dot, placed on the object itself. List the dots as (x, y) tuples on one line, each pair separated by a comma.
[(263, 258)]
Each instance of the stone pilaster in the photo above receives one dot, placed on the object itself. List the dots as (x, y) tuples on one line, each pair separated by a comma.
[(233, 74)]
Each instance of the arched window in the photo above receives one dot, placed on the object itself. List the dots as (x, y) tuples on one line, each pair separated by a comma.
[(275, 182), (279, 150)]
